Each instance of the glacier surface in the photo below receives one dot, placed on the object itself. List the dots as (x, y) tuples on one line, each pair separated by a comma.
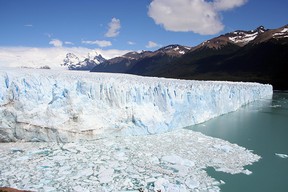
[(63, 106)]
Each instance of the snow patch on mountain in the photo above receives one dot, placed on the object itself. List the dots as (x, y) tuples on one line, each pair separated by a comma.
[(182, 52), (179, 51), (285, 30), (174, 50), (241, 37), (282, 34)]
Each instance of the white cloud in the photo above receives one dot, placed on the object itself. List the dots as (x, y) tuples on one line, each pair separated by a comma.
[(49, 35), (53, 56), (102, 43), (223, 5), (68, 43), (56, 43), (152, 44), (111, 53), (114, 27), (131, 43), (198, 16), (28, 25)]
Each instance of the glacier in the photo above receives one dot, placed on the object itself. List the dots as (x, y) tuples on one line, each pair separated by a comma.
[(65, 106)]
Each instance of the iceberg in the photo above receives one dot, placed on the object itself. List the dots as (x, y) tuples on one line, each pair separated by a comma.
[(65, 106), (281, 155)]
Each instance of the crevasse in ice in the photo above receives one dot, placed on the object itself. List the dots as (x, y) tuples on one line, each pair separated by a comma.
[(46, 105)]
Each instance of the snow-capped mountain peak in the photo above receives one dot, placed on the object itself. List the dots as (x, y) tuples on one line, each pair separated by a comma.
[(261, 29), (70, 59), (174, 50), (92, 55), (86, 63), (241, 37), (95, 56)]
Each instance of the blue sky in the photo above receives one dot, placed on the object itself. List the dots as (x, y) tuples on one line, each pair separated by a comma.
[(130, 24)]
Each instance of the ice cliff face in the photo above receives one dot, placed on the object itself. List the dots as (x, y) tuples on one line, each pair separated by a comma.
[(46, 105)]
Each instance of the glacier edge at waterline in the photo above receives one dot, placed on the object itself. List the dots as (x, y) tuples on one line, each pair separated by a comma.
[(47, 105)]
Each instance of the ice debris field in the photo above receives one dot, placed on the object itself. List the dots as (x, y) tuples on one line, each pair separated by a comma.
[(173, 162), (115, 132)]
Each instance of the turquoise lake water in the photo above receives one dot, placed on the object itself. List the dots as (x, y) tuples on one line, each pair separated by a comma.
[(262, 127)]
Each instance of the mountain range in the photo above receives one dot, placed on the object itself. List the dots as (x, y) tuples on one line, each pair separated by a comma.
[(259, 55)]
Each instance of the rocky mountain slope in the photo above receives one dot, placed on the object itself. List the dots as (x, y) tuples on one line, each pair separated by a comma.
[(130, 62), (258, 55)]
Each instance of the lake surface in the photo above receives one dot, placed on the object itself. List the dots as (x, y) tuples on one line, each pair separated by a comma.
[(261, 126)]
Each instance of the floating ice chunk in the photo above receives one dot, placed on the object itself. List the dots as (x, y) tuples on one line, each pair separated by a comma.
[(181, 169), (224, 148), (151, 180), (16, 150), (60, 158), (160, 183), (164, 185), (175, 159), (65, 169), (247, 172), (44, 152), (85, 172), (139, 190), (201, 139), (47, 188), (128, 183), (188, 163), (105, 175), (71, 147), (191, 183), (82, 149), (78, 188), (284, 156), (154, 160), (172, 159), (121, 156), (276, 106)]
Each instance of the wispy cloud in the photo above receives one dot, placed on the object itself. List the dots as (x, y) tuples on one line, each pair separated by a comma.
[(131, 43), (68, 43), (101, 43), (56, 43), (28, 25), (198, 16), (224, 5), (114, 27), (49, 35), (152, 44)]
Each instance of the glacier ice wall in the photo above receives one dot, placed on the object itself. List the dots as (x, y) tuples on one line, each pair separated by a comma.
[(46, 105)]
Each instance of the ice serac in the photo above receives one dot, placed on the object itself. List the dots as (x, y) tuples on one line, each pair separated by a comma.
[(46, 105)]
